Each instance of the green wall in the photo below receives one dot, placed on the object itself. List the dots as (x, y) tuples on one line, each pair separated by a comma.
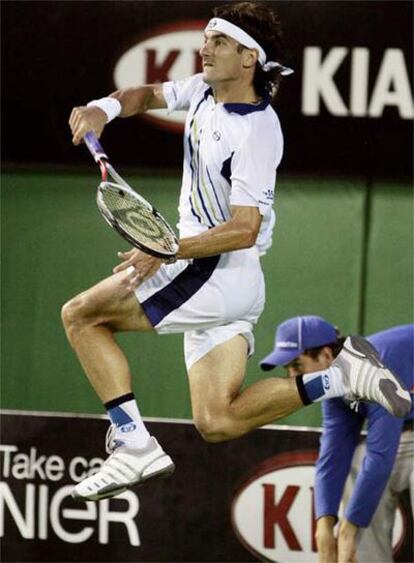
[(340, 251)]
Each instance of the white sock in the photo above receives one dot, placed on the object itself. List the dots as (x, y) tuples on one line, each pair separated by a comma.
[(324, 384), (125, 415)]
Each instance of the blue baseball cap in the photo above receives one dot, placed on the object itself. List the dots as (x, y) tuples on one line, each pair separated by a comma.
[(296, 335)]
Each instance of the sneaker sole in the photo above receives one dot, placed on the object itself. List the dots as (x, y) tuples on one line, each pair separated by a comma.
[(161, 473), (107, 494), (366, 349), (389, 383)]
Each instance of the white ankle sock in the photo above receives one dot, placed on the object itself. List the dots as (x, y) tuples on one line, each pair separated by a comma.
[(125, 415), (324, 384)]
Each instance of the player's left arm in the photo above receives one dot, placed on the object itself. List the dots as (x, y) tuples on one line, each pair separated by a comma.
[(239, 232)]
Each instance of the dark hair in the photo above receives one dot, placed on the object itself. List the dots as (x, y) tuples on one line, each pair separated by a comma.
[(335, 347), (263, 24)]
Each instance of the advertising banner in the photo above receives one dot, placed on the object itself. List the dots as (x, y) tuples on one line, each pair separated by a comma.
[(250, 499), (347, 108)]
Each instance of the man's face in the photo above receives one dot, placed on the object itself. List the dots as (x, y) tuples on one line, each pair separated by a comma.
[(221, 59), (306, 364)]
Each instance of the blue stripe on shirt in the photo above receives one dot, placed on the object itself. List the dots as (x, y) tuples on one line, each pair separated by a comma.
[(212, 224), (191, 158), (193, 211), (215, 194)]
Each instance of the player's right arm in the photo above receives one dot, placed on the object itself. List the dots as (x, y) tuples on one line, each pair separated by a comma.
[(133, 101), (140, 99)]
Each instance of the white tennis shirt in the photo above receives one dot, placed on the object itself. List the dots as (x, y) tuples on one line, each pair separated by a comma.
[(231, 153)]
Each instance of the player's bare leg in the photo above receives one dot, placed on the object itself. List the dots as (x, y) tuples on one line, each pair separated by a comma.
[(222, 410), (90, 320)]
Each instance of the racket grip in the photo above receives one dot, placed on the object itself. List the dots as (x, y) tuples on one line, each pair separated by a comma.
[(94, 146)]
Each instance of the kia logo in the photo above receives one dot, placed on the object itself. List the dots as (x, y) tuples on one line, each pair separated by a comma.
[(169, 52), (272, 512)]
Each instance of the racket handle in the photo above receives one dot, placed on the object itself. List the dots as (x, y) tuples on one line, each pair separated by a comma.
[(94, 146)]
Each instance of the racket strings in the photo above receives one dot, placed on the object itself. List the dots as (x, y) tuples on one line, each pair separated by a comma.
[(137, 219)]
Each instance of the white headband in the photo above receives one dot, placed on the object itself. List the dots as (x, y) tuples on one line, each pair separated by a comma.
[(235, 32)]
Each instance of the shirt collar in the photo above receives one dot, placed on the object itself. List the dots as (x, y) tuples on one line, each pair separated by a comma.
[(240, 108)]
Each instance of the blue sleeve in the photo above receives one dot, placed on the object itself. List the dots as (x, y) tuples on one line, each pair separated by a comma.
[(384, 432), (341, 428)]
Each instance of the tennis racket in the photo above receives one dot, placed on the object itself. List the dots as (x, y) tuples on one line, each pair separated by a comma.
[(132, 216)]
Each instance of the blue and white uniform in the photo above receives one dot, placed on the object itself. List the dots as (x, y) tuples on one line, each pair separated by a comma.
[(231, 153), (385, 464)]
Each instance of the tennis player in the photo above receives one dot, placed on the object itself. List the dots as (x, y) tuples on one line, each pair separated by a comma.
[(379, 468), (214, 292)]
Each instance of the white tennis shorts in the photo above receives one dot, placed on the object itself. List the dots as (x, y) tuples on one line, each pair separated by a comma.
[(210, 300)]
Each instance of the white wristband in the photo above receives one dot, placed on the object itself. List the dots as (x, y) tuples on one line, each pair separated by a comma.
[(111, 106)]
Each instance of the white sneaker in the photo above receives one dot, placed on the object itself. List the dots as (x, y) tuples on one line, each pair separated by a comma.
[(124, 468), (368, 379)]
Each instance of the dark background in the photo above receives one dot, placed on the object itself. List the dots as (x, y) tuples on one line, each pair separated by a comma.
[(56, 55), (186, 517), (343, 249)]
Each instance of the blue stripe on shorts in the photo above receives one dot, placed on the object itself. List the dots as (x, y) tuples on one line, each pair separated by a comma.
[(180, 290)]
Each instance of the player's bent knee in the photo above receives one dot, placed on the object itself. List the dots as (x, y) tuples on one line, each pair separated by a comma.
[(67, 315), (212, 431), (74, 314)]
